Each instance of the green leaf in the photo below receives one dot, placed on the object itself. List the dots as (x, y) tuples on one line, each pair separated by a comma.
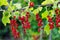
[(31, 8), (3, 2), (33, 33), (45, 14), (47, 29), (11, 6), (5, 18), (16, 13), (39, 8), (55, 4), (48, 2), (18, 5), (51, 13), (23, 14), (36, 11)]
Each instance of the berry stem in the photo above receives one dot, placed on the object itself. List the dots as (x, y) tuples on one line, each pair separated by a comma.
[(50, 36), (41, 33)]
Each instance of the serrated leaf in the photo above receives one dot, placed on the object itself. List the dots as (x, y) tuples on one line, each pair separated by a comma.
[(10, 8), (48, 2), (45, 14), (5, 18), (3, 3), (36, 11), (51, 13), (47, 29), (39, 8)]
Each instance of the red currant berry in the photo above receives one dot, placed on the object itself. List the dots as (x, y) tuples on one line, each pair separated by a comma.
[(31, 4), (51, 24), (40, 23), (37, 17), (27, 14)]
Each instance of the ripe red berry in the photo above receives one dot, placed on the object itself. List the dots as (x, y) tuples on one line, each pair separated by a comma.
[(51, 24), (37, 17), (58, 21), (22, 18), (28, 14), (40, 23), (17, 34), (49, 18), (14, 27), (26, 25), (31, 4)]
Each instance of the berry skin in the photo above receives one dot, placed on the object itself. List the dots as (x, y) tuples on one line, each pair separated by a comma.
[(51, 24), (28, 14), (37, 17), (39, 20), (40, 23), (26, 25), (49, 18), (58, 20), (31, 4), (21, 18), (14, 27), (17, 34)]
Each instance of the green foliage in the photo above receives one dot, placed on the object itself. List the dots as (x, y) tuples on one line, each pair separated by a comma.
[(47, 29), (3, 2), (5, 18)]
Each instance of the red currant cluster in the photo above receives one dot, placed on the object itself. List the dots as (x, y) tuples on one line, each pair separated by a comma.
[(57, 11), (15, 33), (39, 20), (13, 23), (58, 20), (51, 23), (25, 22), (14, 27)]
